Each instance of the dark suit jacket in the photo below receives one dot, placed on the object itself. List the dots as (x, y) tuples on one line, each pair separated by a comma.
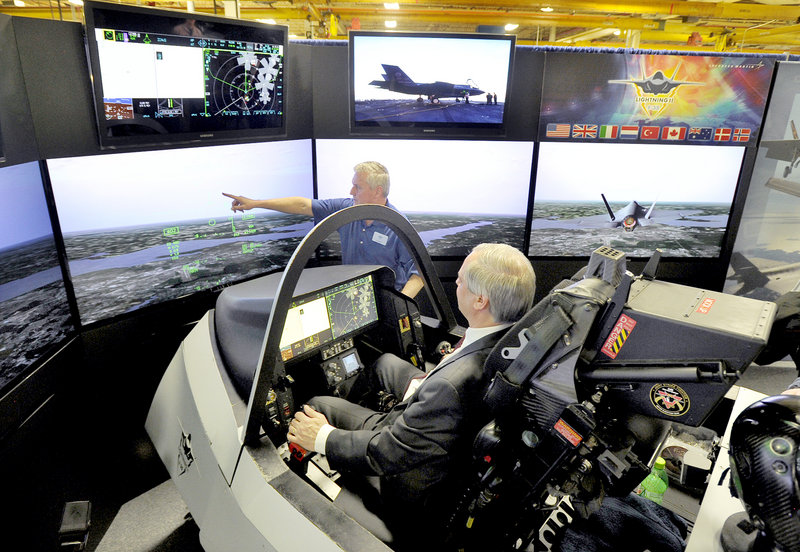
[(425, 438)]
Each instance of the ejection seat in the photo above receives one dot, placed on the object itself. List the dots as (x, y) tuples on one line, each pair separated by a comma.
[(587, 386)]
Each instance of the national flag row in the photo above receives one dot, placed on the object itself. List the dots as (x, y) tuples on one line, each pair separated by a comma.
[(636, 132)]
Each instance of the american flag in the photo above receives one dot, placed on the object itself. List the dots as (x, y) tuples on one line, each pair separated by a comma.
[(584, 131), (741, 135), (722, 135), (557, 130)]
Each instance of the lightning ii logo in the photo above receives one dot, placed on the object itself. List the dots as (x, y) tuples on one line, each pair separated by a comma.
[(656, 92)]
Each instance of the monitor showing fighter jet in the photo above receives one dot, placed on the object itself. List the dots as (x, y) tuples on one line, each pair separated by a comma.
[(410, 83), (633, 197)]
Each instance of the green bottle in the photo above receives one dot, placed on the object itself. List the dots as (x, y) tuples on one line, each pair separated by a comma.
[(655, 484)]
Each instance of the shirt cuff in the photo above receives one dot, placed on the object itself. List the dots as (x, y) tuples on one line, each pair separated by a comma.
[(322, 438)]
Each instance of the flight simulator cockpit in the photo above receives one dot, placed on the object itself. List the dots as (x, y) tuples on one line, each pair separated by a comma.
[(584, 389), (339, 319)]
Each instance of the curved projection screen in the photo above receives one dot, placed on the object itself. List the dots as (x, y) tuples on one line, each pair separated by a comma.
[(456, 193), (144, 228), (33, 302), (676, 198)]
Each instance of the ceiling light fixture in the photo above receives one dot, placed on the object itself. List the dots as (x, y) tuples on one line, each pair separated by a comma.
[(78, 3), (19, 3), (268, 21), (617, 32), (391, 5), (547, 9), (390, 24), (511, 26)]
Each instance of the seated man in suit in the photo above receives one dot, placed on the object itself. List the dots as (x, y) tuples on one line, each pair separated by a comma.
[(420, 445)]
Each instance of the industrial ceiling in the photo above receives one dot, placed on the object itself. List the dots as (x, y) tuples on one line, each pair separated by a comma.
[(766, 26)]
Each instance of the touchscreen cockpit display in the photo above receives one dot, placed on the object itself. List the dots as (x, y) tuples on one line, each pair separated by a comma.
[(320, 317)]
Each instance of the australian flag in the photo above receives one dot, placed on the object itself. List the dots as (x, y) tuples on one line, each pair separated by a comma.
[(700, 133)]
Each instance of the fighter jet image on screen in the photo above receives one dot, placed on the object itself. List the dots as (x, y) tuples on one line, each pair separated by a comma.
[(785, 150), (633, 216), (630, 216), (396, 80), (657, 83)]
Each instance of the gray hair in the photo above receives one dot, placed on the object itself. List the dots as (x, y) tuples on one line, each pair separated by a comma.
[(504, 275), (377, 175)]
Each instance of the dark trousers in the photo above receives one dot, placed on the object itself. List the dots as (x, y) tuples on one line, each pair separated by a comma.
[(360, 497), (390, 373)]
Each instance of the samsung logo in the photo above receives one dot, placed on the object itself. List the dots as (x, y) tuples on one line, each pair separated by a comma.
[(206, 136)]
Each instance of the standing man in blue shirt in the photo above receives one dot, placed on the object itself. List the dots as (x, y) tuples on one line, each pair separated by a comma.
[(363, 241)]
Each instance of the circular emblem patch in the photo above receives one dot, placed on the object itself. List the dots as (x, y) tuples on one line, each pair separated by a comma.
[(669, 399)]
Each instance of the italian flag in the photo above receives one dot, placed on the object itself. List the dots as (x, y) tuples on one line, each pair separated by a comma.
[(608, 131)]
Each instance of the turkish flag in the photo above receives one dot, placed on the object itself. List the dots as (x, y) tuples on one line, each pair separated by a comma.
[(650, 133)]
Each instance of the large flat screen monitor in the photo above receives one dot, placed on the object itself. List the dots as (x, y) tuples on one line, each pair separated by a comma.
[(415, 83), (147, 227), (34, 309), (165, 76), (456, 193), (634, 198)]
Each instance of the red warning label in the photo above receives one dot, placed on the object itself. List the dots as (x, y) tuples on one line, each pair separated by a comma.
[(705, 306), (619, 334), (568, 433)]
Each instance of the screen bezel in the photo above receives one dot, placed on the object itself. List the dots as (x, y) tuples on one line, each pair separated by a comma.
[(428, 129), (112, 142)]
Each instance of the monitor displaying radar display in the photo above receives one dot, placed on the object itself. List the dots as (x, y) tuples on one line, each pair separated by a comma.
[(34, 309), (320, 317), (164, 76), (147, 227)]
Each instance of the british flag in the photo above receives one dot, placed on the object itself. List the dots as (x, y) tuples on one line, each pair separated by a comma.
[(584, 131)]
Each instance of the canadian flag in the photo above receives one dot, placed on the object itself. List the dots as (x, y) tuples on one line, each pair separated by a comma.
[(673, 133)]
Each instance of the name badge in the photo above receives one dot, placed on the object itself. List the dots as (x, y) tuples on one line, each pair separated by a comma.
[(380, 238)]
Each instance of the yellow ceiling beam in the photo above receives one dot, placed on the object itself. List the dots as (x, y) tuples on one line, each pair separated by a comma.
[(246, 13), (755, 34), (684, 8)]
